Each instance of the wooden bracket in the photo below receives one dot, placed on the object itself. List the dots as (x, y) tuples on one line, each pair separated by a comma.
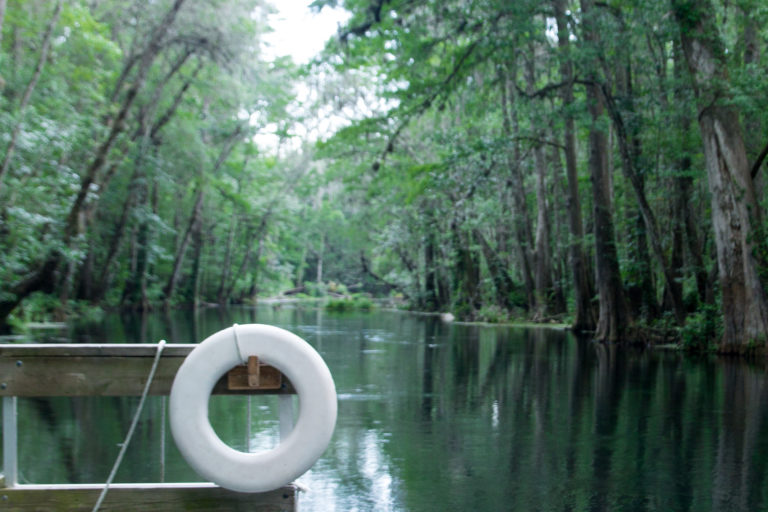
[(254, 375), (253, 371)]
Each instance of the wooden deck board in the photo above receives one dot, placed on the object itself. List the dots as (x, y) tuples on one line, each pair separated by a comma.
[(145, 497), (98, 370)]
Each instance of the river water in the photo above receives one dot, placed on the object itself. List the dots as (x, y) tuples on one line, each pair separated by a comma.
[(449, 417)]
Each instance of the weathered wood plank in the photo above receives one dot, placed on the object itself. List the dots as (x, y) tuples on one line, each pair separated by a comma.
[(94, 349), (144, 497), (100, 370)]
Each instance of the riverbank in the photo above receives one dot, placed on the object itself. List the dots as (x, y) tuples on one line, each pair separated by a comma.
[(697, 335)]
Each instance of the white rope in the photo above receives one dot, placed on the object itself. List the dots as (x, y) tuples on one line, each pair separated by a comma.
[(135, 421), (237, 344)]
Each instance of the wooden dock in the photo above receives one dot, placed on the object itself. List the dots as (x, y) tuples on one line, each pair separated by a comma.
[(47, 370)]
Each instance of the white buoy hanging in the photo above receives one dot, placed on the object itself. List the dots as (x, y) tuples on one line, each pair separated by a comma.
[(263, 471)]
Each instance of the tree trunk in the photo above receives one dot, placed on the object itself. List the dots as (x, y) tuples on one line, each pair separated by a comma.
[(118, 124), (319, 269), (16, 58), (366, 269), (221, 296), (85, 276), (679, 201), (431, 299), (194, 219), (756, 147), (627, 123), (515, 183), (150, 137), (688, 218), (614, 318), (584, 316), (253, 291), (543, 273), (249, 237), (197, 269), (630, 155), (30, 86), (735, 212), (641, 290), (560, 235), (301, 266), (676, 258), (467, 273), (135, 292), (640, 282), (196, 216), (38, 279), (42, 279), (752, 120), (542, 260), (504, 285), (162, 120), (112, 247), (2, 18), (443, 288)]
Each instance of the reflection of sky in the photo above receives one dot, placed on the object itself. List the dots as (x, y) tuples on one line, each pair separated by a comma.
[(267, 435), (362, 465), (376, 470)]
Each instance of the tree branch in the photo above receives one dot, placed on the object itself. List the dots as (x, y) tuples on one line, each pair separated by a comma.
[(360, 30), (759, 162), (544, 90), (367, 270), (539, 141), (426, 103), (30, 87)]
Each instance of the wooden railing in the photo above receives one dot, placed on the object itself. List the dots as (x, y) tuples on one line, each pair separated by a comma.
[(48, 370)]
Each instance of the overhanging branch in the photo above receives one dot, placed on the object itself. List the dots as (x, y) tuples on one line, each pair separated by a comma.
[(759, 162)]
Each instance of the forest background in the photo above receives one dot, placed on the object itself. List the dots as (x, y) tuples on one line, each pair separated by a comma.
[(599, 163)]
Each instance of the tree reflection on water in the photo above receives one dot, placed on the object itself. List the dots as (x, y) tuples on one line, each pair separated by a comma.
[(437, 416)]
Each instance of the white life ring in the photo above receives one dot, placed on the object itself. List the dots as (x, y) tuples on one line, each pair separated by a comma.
[(263, 471)]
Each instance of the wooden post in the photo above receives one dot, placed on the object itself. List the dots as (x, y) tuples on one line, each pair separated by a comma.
[(10, 443), (286, 415)]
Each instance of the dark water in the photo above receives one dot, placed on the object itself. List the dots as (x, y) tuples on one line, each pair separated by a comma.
[(436, 417)]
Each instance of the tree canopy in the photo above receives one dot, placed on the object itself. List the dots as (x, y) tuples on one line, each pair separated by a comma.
[(596, 163)]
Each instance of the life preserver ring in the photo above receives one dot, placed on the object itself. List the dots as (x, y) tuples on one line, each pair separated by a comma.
[(263, 471)]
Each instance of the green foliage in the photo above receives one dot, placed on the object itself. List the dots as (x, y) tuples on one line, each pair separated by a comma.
[(493, 314), (140, 229), (702, 329), (356, 303), (42, 308), (434, 188)]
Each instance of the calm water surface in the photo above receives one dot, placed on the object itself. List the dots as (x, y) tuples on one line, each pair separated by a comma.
[(436, 417)]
